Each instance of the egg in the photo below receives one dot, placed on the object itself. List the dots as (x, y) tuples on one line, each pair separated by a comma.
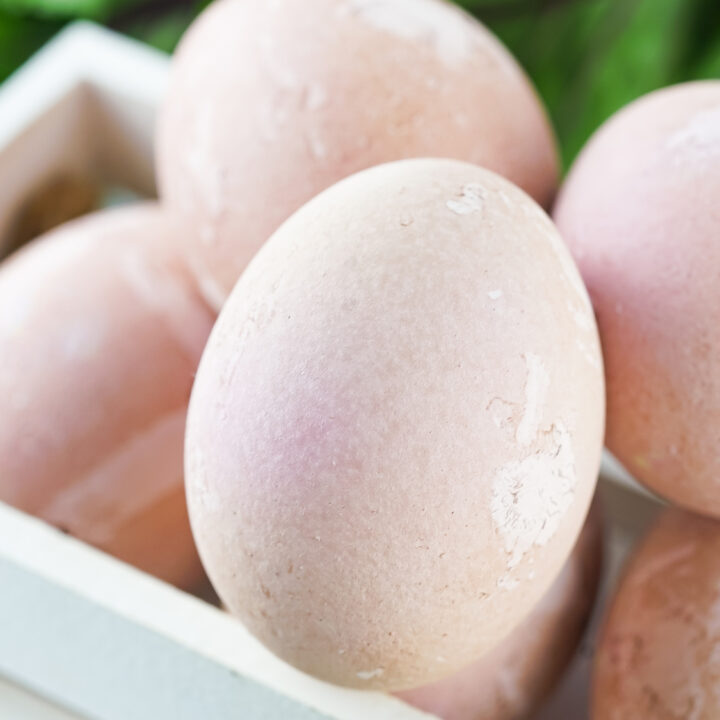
[(639, 213), (658, 654), (101, 330), (511, 681), (271, 102), (395, 430)]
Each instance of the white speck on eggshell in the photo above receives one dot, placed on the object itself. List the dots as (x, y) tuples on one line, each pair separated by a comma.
[(495, 294), (506, 582), (370, 674), (315, 97), (469, 201), (506, 200), (318, 148), (530, 497)]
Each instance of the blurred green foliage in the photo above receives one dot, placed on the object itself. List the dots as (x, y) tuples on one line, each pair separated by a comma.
[(587, 57)]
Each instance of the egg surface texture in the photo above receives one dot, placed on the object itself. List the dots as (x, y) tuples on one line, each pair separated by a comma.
[(101, 331), (658, 653), (511, 681), (271, 102), (395, 431), (640, 214)]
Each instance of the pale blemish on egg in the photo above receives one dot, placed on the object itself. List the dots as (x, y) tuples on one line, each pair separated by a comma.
[(82, 340), (369, 674), (461, 119), (506, 582), (447, 30), (509, 687), (530, 497), (315, 97), (505, 198), (699, 138), (581, 317), (591, 357), (536, 387), (495, 294), (282, 76), (200, 161), (318, 149), (469, 201)]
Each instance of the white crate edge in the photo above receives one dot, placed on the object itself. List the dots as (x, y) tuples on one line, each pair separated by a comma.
[(84, 105), (137, 600), (81, 53)]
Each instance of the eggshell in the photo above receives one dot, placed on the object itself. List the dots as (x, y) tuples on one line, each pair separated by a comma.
[(511, 681), (640, 214), (395, 430), (659, 652), (271, 102), (101, 330)]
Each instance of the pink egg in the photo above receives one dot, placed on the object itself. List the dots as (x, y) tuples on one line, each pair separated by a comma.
[(271, 102), (101, 330), (659, 653), (639, 212), (395, 430)]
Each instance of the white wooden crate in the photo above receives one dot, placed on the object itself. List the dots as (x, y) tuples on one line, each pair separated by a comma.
[(81, 634)]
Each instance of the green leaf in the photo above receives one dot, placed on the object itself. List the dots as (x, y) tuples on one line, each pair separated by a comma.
[(164, 32), (90, 9), (588, 58), (20, 38)]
